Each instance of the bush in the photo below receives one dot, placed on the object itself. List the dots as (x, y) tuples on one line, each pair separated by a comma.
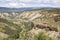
[(23, 35), (57, 18), (42, 36), (28, 25)]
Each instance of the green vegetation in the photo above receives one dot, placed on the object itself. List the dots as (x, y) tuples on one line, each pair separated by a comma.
[(20, 31), (57, 18), (42, 36), (28, 25)]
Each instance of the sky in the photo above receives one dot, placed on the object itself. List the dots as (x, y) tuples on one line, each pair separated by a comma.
[(29, 3)]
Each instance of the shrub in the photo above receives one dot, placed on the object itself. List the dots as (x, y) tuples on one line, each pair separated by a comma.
[(23, 35), (57, 18), (42, 36), (28, 25)]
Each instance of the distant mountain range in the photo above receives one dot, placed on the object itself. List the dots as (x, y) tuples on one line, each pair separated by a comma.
[(16, 9), (25, 8)]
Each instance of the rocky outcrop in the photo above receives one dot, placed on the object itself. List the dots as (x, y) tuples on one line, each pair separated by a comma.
[(48, 28)]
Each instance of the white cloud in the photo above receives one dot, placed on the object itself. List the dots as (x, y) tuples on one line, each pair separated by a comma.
[(16, 5), (13, 5), (56, 1), (29, 3), (25, 0)]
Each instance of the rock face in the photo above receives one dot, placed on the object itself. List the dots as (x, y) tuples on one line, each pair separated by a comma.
[(48, 28), (9, 15)]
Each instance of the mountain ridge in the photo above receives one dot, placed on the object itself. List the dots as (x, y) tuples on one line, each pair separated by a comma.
[(24, 8)]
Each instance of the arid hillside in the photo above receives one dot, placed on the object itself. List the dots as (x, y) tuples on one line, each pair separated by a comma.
[(40, 24)]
